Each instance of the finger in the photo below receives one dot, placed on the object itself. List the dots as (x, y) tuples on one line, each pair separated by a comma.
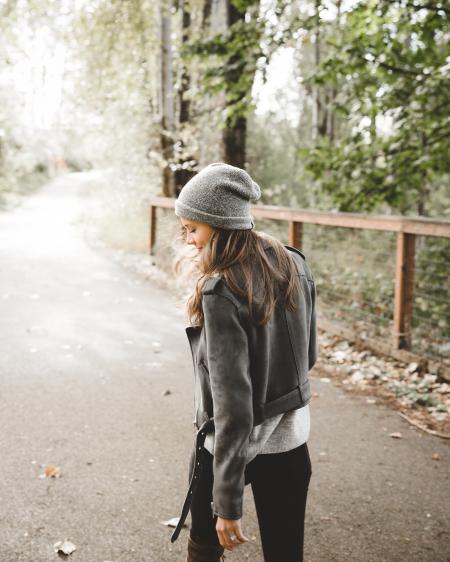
[(224, 540), (240, 537), (230, 536), (232, 542), (224, 537), (236, 539)]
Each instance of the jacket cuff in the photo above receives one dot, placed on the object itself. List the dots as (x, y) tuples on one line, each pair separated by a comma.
[(218, 513), (224, 516)]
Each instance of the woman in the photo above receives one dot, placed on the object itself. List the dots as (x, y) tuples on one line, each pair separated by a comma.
[(253, 340)]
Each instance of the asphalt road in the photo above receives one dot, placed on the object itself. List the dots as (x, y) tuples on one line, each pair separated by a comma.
[(88, 349)]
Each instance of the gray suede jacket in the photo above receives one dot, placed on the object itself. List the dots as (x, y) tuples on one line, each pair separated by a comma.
[(246, 373)]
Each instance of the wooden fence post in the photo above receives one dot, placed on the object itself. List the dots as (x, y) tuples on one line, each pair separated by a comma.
[(404, 289), (152, 232), (295, 234)]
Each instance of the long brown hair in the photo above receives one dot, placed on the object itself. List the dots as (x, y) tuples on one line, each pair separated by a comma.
[(239, 257)]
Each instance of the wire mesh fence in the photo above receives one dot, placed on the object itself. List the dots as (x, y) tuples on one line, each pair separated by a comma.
[(431, 305), (354, 271)]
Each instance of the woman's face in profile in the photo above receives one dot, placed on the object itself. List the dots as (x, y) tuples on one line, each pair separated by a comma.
[(197, 233)]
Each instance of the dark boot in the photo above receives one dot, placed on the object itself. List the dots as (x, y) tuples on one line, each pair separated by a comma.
[(204, 552)]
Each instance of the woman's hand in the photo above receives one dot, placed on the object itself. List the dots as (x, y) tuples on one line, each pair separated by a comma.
[(227, 529)]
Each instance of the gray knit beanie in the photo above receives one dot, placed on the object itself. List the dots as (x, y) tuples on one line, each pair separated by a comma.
[(219, 195)]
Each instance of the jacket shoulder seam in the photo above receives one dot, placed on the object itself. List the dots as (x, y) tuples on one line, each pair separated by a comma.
[(223, 296), (216, 287), (210, 285), (296, 250)]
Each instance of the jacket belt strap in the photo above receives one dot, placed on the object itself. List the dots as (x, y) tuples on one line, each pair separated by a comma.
[(199, 443)]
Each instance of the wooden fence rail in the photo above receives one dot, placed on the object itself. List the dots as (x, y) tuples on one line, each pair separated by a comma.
[(407, 229)]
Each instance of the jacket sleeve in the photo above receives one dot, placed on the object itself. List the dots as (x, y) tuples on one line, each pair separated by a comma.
[(313, 348), (231, 388)]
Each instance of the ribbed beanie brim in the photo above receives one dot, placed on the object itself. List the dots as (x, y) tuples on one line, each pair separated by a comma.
[(219, 195)]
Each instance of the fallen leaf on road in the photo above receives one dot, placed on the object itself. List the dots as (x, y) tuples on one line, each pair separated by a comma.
[(65, 546), (52, 471), (396, 434), (172, 522)]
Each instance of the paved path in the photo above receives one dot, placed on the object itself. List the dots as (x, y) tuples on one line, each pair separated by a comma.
[(87, 350)]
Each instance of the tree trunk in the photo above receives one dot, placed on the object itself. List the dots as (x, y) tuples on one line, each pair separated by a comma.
[(331, 107), (235, 133), (424, 191), (167, 99), (234, 143), (185, 79), (316, 100), (207, 7), (184, 160)]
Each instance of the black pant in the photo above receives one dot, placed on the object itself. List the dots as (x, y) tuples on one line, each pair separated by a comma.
[(280, 485)]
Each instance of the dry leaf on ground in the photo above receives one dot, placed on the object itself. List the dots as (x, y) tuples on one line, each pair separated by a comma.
[(52, 471), (172, 522)]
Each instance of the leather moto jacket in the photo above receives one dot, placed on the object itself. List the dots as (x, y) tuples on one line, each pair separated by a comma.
[(245, 373)]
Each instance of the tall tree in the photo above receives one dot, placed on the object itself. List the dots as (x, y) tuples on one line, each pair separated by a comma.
[(234, 132), (232, 57), (316, 100), (185, 162), (167, 106), (391, 62)]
